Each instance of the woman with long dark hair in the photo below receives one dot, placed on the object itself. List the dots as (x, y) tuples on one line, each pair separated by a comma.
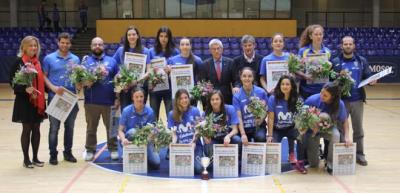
[(182, 120), (133, 44), (164, 47), (30, 102), (226, 126), (328, 101)]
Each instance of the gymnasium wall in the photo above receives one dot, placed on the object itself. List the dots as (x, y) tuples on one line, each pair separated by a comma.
[(111, 30)]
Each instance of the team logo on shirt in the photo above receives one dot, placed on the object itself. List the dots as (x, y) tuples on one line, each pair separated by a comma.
[(284, 116)]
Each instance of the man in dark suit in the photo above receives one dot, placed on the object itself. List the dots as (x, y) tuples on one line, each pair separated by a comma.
[(218, 70), (249, 58)]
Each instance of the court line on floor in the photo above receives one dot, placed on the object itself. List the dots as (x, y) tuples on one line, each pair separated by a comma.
[(123, 185), (278, 184), (81, 171), (344, 186)]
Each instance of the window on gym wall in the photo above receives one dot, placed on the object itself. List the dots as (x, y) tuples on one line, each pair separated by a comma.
[(108, 9), (204, 8), (124, 9), (251, 8), (141, 9), (172, 9), (282, 9), (267, 9), (220, 9), (157, 8), (188, 8), (235, 8)]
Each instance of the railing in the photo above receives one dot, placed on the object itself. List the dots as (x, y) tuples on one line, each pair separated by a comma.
[(351, 19)]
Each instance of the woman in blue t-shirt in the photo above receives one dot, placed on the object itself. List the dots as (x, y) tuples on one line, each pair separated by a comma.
[(164, 47), (327, 101), (277, 44), (281, 111), (134, 117), (132, 43), (182, 120), (311, 43), (228, 119), (248, 124)]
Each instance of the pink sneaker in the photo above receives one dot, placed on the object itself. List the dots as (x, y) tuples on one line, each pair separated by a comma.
[(292, 158), (300, 167)]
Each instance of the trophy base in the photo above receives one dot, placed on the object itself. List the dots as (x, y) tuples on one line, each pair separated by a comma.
[(205, 176)]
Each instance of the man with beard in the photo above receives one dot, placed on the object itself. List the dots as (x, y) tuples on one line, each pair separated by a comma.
[(348, 61), (56, 79), (249, 58), (99, 98)]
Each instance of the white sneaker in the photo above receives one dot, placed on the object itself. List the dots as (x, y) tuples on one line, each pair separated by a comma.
[(114, 155), (89, 156)]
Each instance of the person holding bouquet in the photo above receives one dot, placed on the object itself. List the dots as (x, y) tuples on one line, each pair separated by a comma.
[(281, 111), (350, 62), (328, 101), (311, 43), (226, 126), (182, 121), (251, 127), (27, 81), (277, 54), (56, 79), (136, 116), (132, 43), (218, 70), (164, 47), (99, 98)]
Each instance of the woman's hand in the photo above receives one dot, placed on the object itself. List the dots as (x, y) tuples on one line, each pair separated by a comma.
[(227, 140), (125, 142), (269, 139), (245, 141), (29, 90), (347, 141), (207, 140)]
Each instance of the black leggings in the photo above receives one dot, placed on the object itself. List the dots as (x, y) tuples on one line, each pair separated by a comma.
[(30, 133)]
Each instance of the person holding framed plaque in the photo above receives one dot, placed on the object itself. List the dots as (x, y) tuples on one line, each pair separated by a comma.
[(136, 116), (132, 44), (278, 57), (182, 120)]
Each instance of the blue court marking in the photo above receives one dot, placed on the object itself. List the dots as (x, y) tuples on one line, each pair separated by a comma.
[(104, 161)]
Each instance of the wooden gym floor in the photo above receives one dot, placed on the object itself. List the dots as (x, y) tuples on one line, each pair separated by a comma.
[(382, 148)]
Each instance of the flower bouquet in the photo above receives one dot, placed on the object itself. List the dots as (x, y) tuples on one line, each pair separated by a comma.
[(257, 107), (318, 68), (306, 117), (78, 74), (208, 126), (325, 123), (25, 76), (295, 64), (100, 72), (156, 77), (123, 79), (161, 136), (202, 89), (141, 136), (345, 81)]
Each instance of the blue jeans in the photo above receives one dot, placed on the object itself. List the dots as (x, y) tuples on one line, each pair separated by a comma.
[(68, 132), (155, 102), (198, 152), (256, 135), (153, 158), (290, 132)]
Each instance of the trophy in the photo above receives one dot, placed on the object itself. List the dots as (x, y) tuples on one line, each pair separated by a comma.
[(205, 162)]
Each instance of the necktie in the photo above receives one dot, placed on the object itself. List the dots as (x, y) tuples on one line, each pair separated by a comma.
[(218, 69)]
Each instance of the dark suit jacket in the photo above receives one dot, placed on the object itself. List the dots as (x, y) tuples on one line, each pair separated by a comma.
[(208, 73), (239, 62)]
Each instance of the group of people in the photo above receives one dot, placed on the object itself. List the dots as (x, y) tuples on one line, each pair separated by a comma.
[(235, 82)]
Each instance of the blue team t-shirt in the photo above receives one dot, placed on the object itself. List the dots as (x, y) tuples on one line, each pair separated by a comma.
[(283, 118), (153, 54), (102, 91), (303, 52), (315, 101), (131, 119), (231, 119), (119, 55), (184, 129), (271, 57), (241, 100), (55, 66)]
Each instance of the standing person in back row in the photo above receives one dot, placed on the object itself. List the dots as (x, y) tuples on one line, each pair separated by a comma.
[(357, 65), (99, 99), (56, 79)]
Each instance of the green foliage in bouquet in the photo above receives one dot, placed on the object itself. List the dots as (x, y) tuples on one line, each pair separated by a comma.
[(142, 135), (156, 77), (345, 81), (161, 137), (123, 79), (25, 75), (319, 68), (295, 64), (202, 89), (306, 117), (257, 107), (208, 127)]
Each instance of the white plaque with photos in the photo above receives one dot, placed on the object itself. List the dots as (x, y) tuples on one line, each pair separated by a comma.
[(181, 77), (135, 159), (181, 160), (273, 158), (344, 159), (226, 162), (253, 159), (275, 69)]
